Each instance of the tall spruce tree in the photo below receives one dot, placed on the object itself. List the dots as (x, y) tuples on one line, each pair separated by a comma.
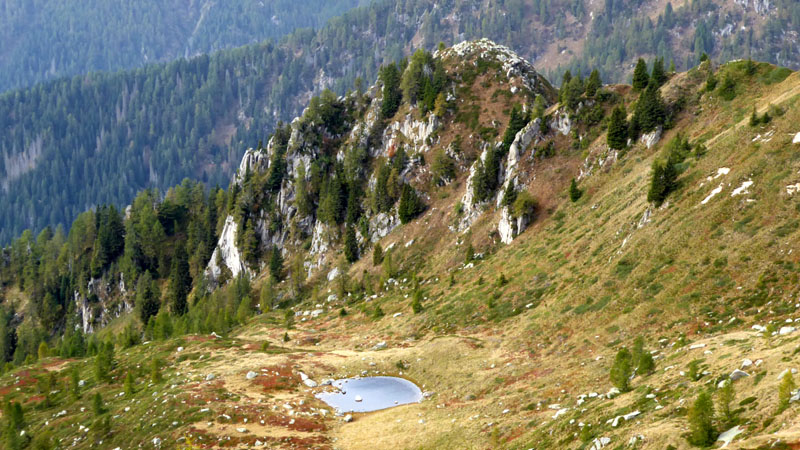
[(593, 83), (350, 244), (410, 204), (180, 281), (640, 76), (650, 110), (617, 137), (701, 426), (658, 75), (276, 265)]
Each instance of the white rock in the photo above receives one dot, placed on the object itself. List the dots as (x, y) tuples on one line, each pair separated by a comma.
[(737, 374), (729, 435), (796, 139), (157, 442), (787, 330), (348, 418), (358, 398), (250, 375), (746, 363), (333, 274), (380, 345), (210, 377), (242, 430)]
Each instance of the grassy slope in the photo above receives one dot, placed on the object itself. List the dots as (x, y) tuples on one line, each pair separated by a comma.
[(707, 270)]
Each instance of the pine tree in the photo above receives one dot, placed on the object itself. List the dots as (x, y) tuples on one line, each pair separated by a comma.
[(276, 265), (147, 298), (97, 404), (701, 416), (574, 192), (593, 83), (377, 254), (410, 204), (180, 281), (650, 111), (640, 76), (155, 371), (726, 396), (392, 96), (621, 370), (617, 137), (785, 390), (663, 181), (658, 75), (350, 244), (266, 297), (416, 302), (129, 384)]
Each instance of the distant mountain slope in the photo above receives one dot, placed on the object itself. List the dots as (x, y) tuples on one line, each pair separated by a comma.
[(45, 39), (70, 144), (609, 267)]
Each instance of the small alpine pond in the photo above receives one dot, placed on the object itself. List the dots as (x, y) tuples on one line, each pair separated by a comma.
[(370, 394)]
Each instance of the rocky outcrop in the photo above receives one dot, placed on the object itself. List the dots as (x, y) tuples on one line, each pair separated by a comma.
[(509, 170), (470, 210), (226, 252), (410, 132), (381, 225), (759, 6), (510, 227), (517, 70), (651, 139)]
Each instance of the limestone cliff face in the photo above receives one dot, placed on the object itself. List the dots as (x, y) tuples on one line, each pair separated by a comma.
[(416, 133)]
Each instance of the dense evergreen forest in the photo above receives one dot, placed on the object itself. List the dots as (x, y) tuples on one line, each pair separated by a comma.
[(46, 39), (152, 256), (70, 144)]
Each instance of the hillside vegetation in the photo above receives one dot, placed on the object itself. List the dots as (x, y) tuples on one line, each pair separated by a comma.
[(45, 39), (464, 225), (74, 143)]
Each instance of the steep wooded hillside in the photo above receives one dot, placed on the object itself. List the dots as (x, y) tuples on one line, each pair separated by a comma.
[(597, 267)]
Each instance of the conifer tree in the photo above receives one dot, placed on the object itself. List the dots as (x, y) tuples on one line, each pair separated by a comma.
[(410, 204), (663, 181), (617, 137), (658, 75), (180, 281), (350, 244), (621, 370), (574, 192), (266, 297), (650, 111), (129, 384), (377, 254), (593, 83), (147, 297), (785, 390), (726, 396), (276, 265), (701, 426), (640, 76)]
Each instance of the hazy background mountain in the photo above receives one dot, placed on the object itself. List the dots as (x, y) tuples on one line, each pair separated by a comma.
[(70, 144), (45, 39)]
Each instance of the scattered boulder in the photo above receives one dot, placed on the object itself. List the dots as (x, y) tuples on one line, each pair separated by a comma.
[(737, 374), (210, 377), (796, 139), (348, 418), (729, 435), (380, 346), (250, 375)]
